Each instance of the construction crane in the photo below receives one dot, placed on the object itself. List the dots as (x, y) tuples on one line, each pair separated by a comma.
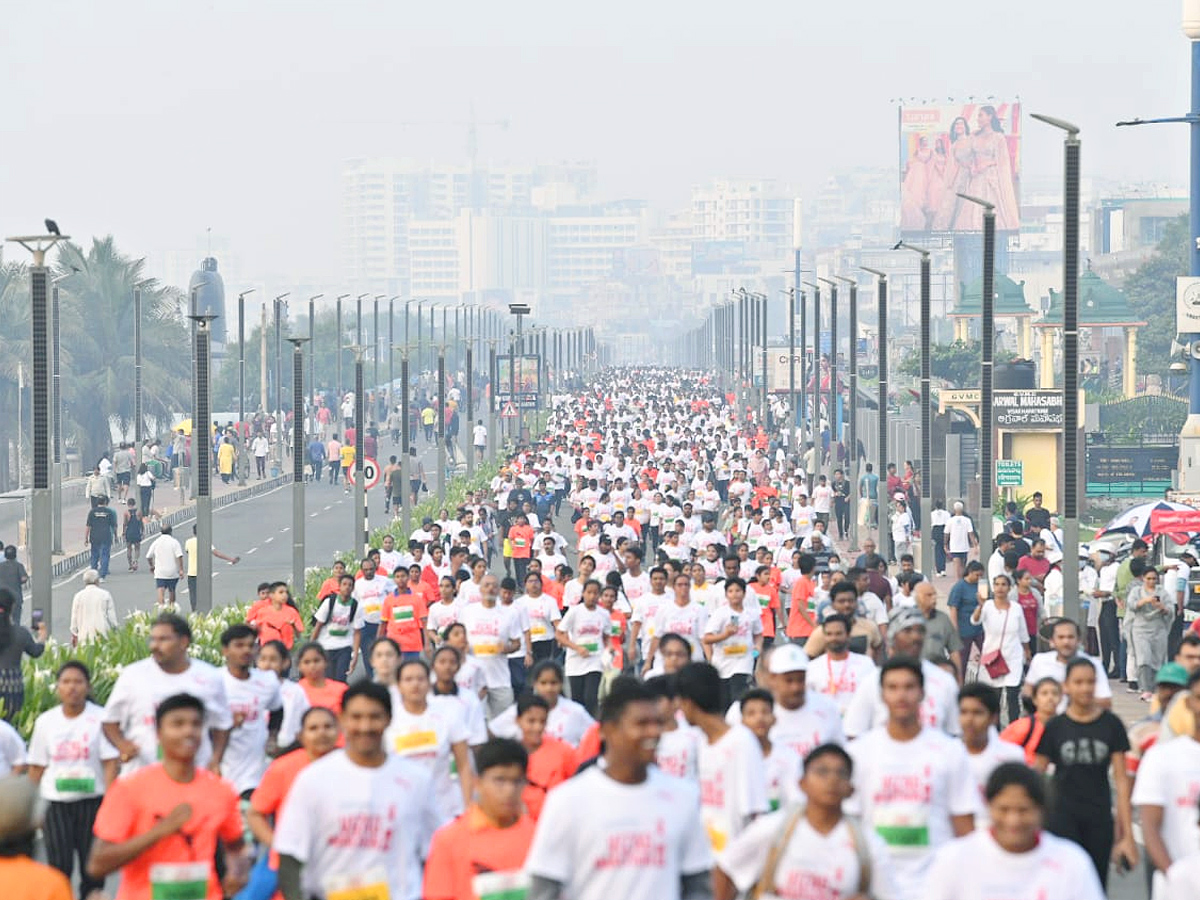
[(472, 125)]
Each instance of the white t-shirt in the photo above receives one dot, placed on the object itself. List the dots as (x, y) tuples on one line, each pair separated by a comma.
[(338, 630), (735, 654), (813, 865), (958, 531), (907, 791), (679, 751), (839, 680), (1048, 665), (12, 749), (782, 768), (984, 763), (635, 841), (521, 611), (687, 621), (143, 685), (975, 867), (343, 821), (295, 705), (567, 722), (587, 628), (488, 632), (543, 615), (427, 740), (72, 751), (1169, 776), (733, 784), (254, 698), (939, 709), (467, 704), (645, 611), (1182, 878), (164, 555), (479, 436), (442, 615), (370, 593), (1004, 630)]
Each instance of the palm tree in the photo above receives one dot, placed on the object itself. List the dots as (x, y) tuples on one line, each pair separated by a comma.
[(98, 349), (15, 341)]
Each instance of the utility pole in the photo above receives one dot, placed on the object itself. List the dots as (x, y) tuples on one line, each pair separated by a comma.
[(202, 462), (298, 483)]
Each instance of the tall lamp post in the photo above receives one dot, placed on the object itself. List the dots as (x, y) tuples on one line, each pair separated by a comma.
[(405, 434), (243, 432), (792, 410), (298, 484), (815, 426), (41, 499), (312, 338), (56, 400), (202, 461), (926, 409), (340, 350), (1072, 607), (391, 350), (834, 431), (362, 538), (279, 418), (987, 326), (881, 464), (441, 423), (852, 415)]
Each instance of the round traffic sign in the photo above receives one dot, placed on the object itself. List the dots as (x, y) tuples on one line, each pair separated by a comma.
[(370, 473)]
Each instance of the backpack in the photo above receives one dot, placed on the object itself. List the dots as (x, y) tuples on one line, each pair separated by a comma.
[(332, 599)]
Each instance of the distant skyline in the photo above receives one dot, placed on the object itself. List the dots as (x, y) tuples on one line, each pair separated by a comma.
[(154, 120)]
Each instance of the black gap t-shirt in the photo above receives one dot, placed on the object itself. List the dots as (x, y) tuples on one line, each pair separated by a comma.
[(1082, 756), (101, 521)]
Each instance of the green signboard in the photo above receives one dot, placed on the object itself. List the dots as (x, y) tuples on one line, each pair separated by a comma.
[(1010, 473)]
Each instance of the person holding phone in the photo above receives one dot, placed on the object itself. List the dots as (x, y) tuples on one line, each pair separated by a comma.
[(15, 643)]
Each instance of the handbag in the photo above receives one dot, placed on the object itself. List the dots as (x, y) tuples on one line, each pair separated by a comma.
[(993, 661), (765, 888)]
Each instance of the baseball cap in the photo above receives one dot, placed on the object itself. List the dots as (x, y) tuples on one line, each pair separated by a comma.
[(788, 658), (905, 617), (20, 810), (1171, 673)]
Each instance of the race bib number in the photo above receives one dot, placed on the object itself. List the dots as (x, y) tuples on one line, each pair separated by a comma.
[(369, 885), (537, 629), (735, 649), (718, 831), (486, 649), (904, 827), (179, 881), (402, 614), (339, 632), (371, 609), (590, 646), (414, 742), (501, 885), (80, 780)]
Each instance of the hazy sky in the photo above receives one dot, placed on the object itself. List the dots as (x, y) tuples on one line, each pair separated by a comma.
[(154, 119)]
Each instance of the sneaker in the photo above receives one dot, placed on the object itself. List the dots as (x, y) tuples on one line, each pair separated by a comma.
[(1131, 687)]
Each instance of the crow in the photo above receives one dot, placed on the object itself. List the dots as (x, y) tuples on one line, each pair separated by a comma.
[(52, 227)]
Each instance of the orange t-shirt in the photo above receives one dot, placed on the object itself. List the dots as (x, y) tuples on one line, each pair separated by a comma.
[(24, 879), (521, 538), (589, 745), (554, 589), (136, 802), (328, 696), (768, 609), (281, 624), (549, 766), (802, 591), (404, 616), (272, 791), (472, 844)]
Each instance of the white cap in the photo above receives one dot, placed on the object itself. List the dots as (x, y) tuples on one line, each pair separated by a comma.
[(788, 658)]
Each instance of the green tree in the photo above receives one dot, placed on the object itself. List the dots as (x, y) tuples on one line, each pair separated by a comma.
[(1151, 294), (958, 363), (98, 349)]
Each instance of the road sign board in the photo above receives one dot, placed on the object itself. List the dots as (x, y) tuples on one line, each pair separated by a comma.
[(370, 473), (508, 411), (1010, 473)]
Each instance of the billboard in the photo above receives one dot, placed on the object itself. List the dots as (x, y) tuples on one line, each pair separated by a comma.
[(953, 148), (527, 380)]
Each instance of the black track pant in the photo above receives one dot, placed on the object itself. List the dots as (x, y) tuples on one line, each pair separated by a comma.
[(68, 831)]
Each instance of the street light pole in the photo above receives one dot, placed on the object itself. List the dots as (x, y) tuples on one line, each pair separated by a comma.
[(1072, 605), (340, 352), (926, 409), (882, 401), (834, 431), (852, 438), (792, 413), (202, 461), (298, 483), (375, 352), (360, 490), (279, 373), (815, 429), (56, 408), (41, 499), (441, 424), (312, 350), (987, 325), (243, 465)]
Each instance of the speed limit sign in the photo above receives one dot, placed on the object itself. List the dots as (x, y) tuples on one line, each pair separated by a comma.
[(370, 473)]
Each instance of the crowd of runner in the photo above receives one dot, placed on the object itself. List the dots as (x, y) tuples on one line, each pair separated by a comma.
[(680, 686)]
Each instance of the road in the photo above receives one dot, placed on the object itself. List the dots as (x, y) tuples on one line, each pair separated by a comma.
[(259, 531)]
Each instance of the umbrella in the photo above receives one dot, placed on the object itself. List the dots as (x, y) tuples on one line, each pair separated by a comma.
[(1136, 520)]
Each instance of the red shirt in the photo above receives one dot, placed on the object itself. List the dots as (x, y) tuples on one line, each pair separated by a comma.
[(403, 616), (1029, 607), (802, 591), (767, 598), (272, 791), (329, 695), (273, 624), (521, 538), (549, 766)]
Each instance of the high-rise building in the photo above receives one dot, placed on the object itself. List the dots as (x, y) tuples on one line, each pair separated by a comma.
[(755, 213)]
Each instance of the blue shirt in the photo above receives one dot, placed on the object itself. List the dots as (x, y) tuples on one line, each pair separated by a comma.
[(870, 481), (964, 597)]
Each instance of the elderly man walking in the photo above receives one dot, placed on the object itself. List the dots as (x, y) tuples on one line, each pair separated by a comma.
[(93, 612)]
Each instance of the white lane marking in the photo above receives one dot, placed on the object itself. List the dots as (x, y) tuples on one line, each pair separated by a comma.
[(251, 550), (285, 530), (268, 540), (313, 515)]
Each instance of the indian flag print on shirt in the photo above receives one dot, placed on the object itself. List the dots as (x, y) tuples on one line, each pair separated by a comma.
[(402, 614)]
